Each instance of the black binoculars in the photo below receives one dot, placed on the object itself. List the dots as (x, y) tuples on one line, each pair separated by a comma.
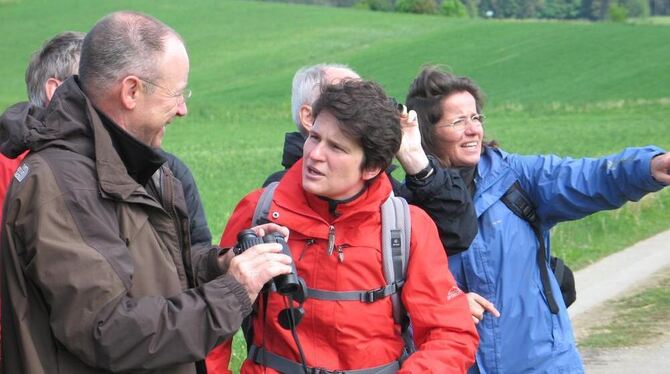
[(286, 284)]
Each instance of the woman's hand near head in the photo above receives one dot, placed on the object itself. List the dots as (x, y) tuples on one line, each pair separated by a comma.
[(660, 168), (411, 155)]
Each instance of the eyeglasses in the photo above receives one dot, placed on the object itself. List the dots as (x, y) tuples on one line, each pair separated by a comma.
[(181, 97), (459, 123)]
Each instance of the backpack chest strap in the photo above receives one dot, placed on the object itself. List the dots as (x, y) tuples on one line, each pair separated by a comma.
[(369, 296)]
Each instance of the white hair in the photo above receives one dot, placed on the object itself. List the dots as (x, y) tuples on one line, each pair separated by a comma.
[(306, 88)]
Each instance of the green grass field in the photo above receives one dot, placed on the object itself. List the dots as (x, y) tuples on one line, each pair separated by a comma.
[(574, 89)]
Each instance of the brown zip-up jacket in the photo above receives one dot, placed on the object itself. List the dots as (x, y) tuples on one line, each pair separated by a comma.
[(97, 272)]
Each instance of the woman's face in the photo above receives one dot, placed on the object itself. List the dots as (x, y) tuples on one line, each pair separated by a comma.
[(332, 162), (459, 133)]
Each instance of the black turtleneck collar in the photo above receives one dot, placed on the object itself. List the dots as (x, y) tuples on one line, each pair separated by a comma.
[(468, 175), (332, 203), (141, 161)]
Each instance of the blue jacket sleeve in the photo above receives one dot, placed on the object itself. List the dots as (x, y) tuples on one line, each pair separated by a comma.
[(566, 189)]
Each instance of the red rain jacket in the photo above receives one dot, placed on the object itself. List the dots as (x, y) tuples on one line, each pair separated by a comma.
[(7, 168), (348, 335)]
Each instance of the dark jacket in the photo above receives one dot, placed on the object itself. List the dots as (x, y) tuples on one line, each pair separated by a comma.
[(200, 233), (97, 271), (446, 199), (443, 195), (293, 143), (12, 144)]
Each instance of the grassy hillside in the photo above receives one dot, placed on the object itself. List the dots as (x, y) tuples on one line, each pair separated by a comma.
[(574, 89)]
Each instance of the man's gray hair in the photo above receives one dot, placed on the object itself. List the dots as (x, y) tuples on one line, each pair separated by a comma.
[(58, 58), (122, 44), (306, 88)]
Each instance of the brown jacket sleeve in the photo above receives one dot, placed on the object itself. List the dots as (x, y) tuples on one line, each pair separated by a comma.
[(72, 248)]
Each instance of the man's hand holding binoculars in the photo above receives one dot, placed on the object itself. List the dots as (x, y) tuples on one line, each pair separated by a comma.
[(257, 265)]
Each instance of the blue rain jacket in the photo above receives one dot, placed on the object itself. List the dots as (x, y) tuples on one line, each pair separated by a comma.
[(501, 263)]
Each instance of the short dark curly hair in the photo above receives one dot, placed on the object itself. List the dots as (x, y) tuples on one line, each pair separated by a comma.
[(365, 115)]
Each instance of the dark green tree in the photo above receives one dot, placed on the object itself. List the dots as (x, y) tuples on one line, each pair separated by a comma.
[(659, 7), (417, 6), (561, 9), (381, 5), (636, 8)]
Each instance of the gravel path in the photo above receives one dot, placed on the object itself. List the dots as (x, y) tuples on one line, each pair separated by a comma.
[(643, 359), (617, 274), (620, 275)]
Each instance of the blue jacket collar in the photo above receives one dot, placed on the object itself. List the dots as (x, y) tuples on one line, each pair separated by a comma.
[(494, 177)]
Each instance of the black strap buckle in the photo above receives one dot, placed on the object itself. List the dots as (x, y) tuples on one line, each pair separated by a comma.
[(372, 295), (379, 293)]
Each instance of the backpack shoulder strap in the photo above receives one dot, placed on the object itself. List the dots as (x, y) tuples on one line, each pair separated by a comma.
[(396, 229), (263, 206), (396, 236), (260, 213), (518, 202)]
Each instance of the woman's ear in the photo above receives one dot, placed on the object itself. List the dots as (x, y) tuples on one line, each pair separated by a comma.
[(369, 173)]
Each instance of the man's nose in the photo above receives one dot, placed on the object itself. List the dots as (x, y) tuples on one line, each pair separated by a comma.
[(182, 110)]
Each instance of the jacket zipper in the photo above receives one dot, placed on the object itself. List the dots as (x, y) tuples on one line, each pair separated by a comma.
[(331, 239), (168, 198)]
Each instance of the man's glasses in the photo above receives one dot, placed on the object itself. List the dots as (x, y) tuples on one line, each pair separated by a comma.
[(460, 122), (181, 97)]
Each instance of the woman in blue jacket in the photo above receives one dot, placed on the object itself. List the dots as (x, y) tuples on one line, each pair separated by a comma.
[(500, 271)]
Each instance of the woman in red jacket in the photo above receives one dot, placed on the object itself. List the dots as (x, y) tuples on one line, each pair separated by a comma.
[(330, 201)]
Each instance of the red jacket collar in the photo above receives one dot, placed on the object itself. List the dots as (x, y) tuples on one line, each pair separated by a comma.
[(301, 209)]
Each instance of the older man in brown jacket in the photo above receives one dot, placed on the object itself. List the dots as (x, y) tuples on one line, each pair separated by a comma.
[(97, 270)]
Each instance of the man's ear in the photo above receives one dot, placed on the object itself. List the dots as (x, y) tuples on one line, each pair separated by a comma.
[(369, 173), (130, 91), (50, 87), (306, 118)]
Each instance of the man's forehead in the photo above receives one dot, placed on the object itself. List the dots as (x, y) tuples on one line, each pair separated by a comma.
[(175, 62)]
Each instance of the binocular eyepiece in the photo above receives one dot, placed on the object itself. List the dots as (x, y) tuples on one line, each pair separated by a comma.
[(286, 284)]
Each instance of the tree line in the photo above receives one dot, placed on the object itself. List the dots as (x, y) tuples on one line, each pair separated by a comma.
[(616, 10)]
